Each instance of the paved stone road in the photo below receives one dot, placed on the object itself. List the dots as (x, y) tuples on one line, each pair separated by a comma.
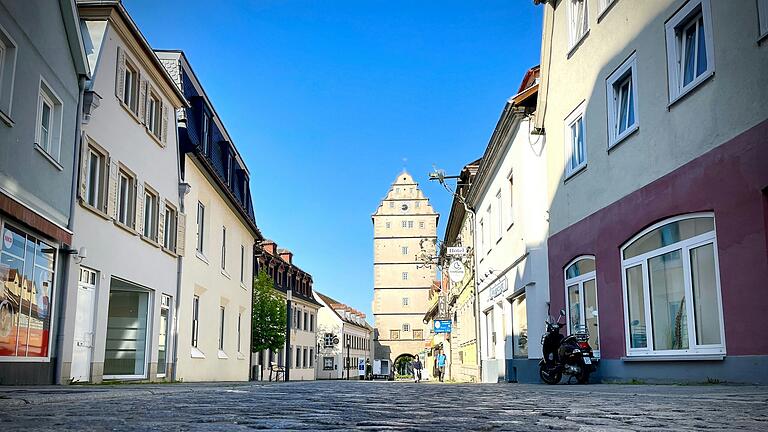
[(384, 406)]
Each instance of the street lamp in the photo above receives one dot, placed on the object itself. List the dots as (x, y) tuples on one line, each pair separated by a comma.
[(288, 353), (349, 342)]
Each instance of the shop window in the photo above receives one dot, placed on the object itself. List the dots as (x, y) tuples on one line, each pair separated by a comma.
[(126, 343), (519, 328), (27, 266), (672, 289), (163, 339), (581, 296)]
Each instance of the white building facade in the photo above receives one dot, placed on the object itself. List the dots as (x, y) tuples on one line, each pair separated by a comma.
[(117, 322), (343, 340), (508, 196)]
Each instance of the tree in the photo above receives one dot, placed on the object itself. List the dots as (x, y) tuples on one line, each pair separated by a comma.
[(268, 317)]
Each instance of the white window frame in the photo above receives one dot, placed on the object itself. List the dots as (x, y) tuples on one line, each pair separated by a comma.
[(8, 52), (195, 321), (580, 280), (603, 6), (574, 38), (126, 205), (482, 235), (675, 50), (489, 243), (171, 226), (200, 246), (151, 212), (222, 324), (406, 327), (577, 114), (685, 246), (52, 146), (421, 225), (627, 70), (405, 275), (154, 114), (406, 301), (102, 170), (242, 264), (499, 216), (404, 250), (132, 93), (224, 248)]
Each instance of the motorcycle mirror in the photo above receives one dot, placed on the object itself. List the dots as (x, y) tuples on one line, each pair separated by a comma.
[(562, 312)]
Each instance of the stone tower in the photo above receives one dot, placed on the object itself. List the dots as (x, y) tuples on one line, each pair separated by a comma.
[(400, 285)]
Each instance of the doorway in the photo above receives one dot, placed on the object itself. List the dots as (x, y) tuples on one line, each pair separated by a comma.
[(82, 350)]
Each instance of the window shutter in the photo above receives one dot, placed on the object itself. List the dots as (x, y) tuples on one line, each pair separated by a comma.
[(139, 207), (164, 126), (84, 172), (112, 191), (143, 93), (120, 78), (181, 229), (160, 220)]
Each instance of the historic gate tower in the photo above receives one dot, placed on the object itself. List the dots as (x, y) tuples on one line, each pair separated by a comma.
[(403, 223)]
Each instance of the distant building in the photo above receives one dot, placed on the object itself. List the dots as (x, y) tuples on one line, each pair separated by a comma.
[(344, 341), (121, 302), (300, 359), (656, 121), (42, 74), (214, 319), (404, 228)]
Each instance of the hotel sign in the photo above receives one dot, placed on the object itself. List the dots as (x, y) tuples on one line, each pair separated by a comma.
[(457, 250)]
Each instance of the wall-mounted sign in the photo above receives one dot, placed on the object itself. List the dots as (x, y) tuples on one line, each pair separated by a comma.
[(499, 288), (456, 271), (457, 250), (442, 326)]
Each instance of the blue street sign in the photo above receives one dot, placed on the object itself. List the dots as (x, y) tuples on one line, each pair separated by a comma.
[(442, 326)]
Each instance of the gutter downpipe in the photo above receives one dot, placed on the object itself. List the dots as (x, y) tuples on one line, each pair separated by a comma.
[(66, 257), (183, 190)]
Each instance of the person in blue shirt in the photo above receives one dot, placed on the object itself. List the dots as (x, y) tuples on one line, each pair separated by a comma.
[(441, 365)]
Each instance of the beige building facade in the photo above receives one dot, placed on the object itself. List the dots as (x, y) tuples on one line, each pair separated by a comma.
[(404, 226)]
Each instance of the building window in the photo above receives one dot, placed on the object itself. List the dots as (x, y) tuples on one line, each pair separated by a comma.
[(49, 121), (170, 230), (242, 264), (298, 357), (578, 21), (305, 358), (150, 214), (489, 243), (490, 334), (200, 226), (154, 115), (762, 12), (223, 248), (388, 225), (418, 204), (405, 275), (421, 225), (163, 339), (410, 224), (581, 300), (672, 289), (127, 324), (391, 204), (328, 363), (206, 133), (483, 241), (239, 321), (406, 301), (328, 340), (417, 334), (27, 292), (602, 5), (394, 334), (306, 321), (312, 322), (311, 357), (130, 95), (126, 198), (7, 71), (499, 216), (404, 250), (575, 144), (195, 319), (689, 48), (519, 327), (511, 199), (406, 327), (221, 327), (621, 88), (95, 178)]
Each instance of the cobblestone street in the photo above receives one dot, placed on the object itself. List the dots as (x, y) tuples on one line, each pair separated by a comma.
[(384, 406)]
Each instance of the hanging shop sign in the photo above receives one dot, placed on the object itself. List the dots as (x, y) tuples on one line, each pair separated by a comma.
[(442, 326), (456, 271)]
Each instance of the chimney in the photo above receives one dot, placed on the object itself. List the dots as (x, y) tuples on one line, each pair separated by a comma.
[(286, 255), (269, 247)]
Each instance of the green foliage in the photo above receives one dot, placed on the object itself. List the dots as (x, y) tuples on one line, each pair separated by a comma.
[(268, 318)]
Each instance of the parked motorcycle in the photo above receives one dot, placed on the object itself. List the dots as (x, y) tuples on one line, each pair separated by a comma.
[(565, 355)]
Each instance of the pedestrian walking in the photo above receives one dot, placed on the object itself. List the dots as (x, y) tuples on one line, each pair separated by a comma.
[(441, 366), (417, 366)]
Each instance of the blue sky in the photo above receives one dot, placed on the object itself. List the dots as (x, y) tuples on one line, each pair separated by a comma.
[(326, 99)]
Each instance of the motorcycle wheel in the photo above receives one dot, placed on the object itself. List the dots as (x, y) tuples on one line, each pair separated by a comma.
[(549, 378), (583, 376)]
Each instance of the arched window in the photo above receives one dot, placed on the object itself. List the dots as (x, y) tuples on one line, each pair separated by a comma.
[(581, 300), (672, 301)]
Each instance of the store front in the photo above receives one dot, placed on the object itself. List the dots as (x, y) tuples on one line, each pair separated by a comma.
[(27, 270), (125, 355)]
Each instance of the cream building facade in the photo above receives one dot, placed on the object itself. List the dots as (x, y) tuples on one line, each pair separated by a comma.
[(404, 225), (344, 341), (215, 296)]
